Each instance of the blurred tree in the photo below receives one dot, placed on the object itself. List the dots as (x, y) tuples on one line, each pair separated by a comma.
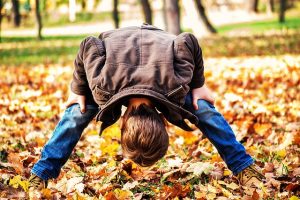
[(1, 6), (38, 19), (116, 13), (172, 16), (147, 11), (254, 6), (83, 5), (16, 12), (270, 6), (282, 11), (72, 10), (164, 14), (201, 11)]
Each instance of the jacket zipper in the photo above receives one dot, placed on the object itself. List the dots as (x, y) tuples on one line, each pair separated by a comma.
[(174, 91)]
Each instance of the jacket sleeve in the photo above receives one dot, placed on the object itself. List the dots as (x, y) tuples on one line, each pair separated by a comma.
[(193, 55), (89, 57), (198, 74), (79, 84)]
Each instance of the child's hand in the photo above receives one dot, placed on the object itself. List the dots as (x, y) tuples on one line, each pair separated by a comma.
[(75, 98), (202, 93)]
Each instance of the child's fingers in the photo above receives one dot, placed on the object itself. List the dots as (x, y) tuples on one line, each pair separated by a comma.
[(195, 103), (81, 102)]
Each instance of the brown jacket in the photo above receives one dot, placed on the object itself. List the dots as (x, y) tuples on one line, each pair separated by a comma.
[(139, 61)]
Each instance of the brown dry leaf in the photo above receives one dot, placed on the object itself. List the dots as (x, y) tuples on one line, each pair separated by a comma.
[(296, 172), (269, 167), (16, 163), (293, 187), (255, 195), (176, 190)]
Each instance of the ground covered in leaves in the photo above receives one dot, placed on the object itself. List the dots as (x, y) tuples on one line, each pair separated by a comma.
[(259, 96)]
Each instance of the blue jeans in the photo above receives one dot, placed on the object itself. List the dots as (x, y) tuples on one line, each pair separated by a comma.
[(68, 131)]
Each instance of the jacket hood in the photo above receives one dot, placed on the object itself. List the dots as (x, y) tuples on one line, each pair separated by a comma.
[(175, 114)]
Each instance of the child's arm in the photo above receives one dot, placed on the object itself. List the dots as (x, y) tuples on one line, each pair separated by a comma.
[(196, 51), (90, 56), (197, 85), (79, 83)]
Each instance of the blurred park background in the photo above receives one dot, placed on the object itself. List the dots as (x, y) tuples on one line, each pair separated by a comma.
[(44, 31)]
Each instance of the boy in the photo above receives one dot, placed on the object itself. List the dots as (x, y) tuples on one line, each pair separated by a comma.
[(145, 69)]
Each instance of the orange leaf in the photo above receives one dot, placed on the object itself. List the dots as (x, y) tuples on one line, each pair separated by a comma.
[(111, 196), (15, 160)]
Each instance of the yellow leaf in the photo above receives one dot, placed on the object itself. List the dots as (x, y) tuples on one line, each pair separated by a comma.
[(200, 195), (226, 192), (17, 181), (281, 153), (232, 186), (294, 198), (226, 172), (110, 149), (24, 185), (112, 163), (14, 182), (211, 196), (26, 109), (112, 132), (123, 194)]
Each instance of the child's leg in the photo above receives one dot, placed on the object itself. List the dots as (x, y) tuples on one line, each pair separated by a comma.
[(217, 130), (65, 136)]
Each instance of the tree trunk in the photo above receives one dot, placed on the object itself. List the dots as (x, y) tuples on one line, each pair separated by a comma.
[(255, 6), (201, 11), (38, 19), (16, 12), (164, 14), (270, 6), (83, 5), (116, 14), (282, 11), (1, 6), (173, 16), (147, 11), (72, 10)]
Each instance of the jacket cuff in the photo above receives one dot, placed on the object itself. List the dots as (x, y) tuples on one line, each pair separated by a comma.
[(79, 90), (197, 82)]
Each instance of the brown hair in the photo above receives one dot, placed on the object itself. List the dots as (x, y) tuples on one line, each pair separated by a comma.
[(144, 137)]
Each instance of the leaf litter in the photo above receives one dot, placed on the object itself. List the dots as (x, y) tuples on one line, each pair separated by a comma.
[(259, 96)]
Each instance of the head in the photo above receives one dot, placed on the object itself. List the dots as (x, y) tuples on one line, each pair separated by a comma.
[(144, 137)]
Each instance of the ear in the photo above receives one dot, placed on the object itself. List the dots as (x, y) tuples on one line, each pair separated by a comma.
[(121, 122)]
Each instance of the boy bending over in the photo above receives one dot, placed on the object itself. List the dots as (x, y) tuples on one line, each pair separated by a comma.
[(145, 69)]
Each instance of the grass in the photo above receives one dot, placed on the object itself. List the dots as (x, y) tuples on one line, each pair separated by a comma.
[(261, 26), (62, 20), (28, 51), (63, 49)]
